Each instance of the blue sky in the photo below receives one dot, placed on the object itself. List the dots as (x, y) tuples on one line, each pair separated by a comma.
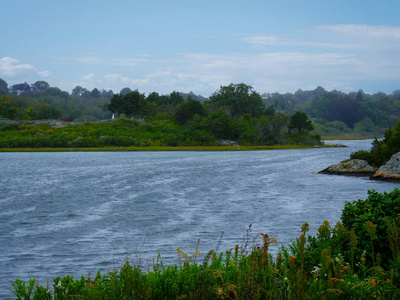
[(275, 46)]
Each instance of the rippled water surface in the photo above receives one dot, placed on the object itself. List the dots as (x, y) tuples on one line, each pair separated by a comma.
[(74, 213)]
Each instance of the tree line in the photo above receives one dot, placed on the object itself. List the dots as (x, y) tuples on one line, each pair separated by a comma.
[(332, 112), (337, 112), (235, 112)]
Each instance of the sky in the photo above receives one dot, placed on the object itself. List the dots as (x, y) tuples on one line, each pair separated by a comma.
[(184, 45)]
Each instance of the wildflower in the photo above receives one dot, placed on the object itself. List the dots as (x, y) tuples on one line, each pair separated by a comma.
[(316, 270), (373, 281), (113, 272), (345, 267), (362, 258), (334, 279), (292, 257)]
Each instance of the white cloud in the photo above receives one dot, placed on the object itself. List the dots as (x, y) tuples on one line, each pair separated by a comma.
[(363, 31), (45, 74), (11, 66), (88, 77), (344, 36), (117, 77), (113, 61)]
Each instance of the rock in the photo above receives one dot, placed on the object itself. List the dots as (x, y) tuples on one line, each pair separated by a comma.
[(228, 143), (335, 145), (389, 171), (354, 167)]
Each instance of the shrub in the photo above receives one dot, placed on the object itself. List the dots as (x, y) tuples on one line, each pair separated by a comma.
[(83, 142), (369, 219)]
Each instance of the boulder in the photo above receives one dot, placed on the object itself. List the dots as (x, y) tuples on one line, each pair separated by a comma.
[(391, 170), (228, 143), (335, 145), (354, 167)]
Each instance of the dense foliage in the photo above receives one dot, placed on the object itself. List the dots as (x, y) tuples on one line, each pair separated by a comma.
[(381, 150), (332, 113), (236, 113), (337, 112), (359, 259)]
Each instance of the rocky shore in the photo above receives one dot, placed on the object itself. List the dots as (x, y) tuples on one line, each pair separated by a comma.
[(390, 170), (353, 167), (358, 167)]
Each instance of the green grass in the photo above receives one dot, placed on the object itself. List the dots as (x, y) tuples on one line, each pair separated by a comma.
[(347, 137), (160, 148)]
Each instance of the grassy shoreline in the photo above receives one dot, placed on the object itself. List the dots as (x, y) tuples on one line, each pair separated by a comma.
[(160, 148), (347, 137)]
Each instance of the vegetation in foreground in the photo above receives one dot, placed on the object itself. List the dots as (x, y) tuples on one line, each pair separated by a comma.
[(356, 259), (381, 150)]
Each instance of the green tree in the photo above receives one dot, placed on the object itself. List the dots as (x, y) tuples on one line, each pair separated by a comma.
[(125, 91), (299, 122), (3, 87), (271, 129), (188, 109), (134, 104), (220, 125), (116, 104), (95, 93), (240, 99), (40, 86), (78, 92)]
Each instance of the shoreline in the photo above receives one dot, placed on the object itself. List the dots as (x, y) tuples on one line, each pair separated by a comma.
[(164, 148)]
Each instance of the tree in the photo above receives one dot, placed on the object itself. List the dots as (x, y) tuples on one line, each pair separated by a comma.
[(299, 122), (3, 87), (107, 94), (95, 93), (175, 98), (116, 104), (40, 86), (78, 91), (134, 104), (271, 129), (20, 87), (188, 109), (220, 124), (240, 98), (125, 91)]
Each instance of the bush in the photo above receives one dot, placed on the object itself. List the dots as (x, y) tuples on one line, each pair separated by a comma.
[(83, 142), (369, 219)]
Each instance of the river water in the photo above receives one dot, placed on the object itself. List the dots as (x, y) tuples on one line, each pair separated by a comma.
[(75, 213)]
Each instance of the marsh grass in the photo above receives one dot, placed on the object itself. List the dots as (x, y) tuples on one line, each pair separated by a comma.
[(338, 262), (159, 148), (347, 137)]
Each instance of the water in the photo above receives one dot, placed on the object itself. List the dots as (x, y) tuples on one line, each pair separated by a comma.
[(74, 213)]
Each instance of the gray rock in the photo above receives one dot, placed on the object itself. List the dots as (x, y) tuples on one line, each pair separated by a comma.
[(355, 167), (228, 143), (335, 145), (390, 170)]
